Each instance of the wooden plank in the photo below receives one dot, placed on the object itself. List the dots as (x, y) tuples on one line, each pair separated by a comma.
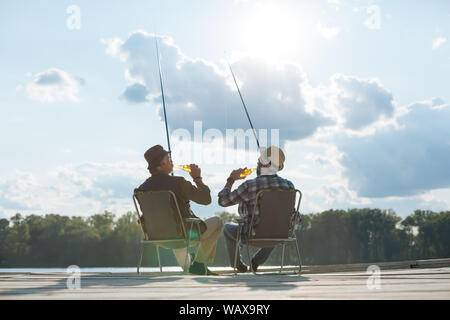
[(430, 283), (431, 263), (395, 283)]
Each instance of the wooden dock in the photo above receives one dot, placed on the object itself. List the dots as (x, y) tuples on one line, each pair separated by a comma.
[(426, 279)]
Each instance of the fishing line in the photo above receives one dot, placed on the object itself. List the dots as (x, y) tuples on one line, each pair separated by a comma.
[(245, 107)]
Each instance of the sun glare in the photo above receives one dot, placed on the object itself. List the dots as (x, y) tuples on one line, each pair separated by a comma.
[(273, 33)]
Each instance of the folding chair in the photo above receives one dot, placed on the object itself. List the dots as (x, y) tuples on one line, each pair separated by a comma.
[(163, 224), (278, 217)]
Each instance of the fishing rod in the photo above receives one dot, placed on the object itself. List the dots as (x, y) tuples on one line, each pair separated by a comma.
[(245, 107), (162, 95), (246, 171)]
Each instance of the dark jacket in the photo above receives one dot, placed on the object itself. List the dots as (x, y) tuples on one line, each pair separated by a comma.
[(184, 191)]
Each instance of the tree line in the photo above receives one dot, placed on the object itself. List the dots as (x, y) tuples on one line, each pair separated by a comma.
[(329, 237)]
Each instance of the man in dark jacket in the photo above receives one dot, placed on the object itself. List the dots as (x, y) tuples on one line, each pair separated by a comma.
[(160, 166)]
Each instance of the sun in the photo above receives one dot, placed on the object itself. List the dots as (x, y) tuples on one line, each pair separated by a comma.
[(272, 32)]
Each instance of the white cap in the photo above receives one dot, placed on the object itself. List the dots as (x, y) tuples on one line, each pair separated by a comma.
[(272, 155)]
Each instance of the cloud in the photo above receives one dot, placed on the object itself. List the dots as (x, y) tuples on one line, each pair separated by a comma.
[(360, 102), (338, 196), (136, 93), (54, 85), (113, 46), (196, 89), (102, 181), (398, 155), (19, 191), (328, 32), (72, 189), (438, 42), (402, 160)]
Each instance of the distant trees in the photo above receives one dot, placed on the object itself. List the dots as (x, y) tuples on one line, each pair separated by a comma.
[(432, 238), (329, 237), (355, 235), (59, 241)]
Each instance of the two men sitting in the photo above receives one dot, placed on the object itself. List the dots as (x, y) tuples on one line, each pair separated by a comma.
[(160, 166)]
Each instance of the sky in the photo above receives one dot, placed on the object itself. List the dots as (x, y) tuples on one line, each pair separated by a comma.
[(357, 92)]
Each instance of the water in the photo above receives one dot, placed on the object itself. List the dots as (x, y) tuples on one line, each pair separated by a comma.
[(117, 270), (97, 270)]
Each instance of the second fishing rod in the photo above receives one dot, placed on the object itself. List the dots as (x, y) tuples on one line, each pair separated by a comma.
[(246, 171), (187, 168)]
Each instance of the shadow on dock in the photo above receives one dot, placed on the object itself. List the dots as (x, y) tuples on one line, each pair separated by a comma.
[(55, 284)]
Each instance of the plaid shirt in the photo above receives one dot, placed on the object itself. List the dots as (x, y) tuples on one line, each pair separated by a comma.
[(245, 196)]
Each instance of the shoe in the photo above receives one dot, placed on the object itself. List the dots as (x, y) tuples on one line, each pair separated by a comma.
[(201, 269), (254, 266), (197, 268), (242, 268)]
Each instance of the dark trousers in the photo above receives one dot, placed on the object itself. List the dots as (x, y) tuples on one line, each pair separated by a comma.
[(230, 232)]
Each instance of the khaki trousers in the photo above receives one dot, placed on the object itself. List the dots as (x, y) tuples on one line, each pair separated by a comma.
[(208, 243)]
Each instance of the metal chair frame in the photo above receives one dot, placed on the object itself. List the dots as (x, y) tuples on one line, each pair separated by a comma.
[(187, 235), (291, 238)]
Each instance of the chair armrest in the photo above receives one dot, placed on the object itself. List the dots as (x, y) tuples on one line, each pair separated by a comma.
[(297, 216), (194, 220)]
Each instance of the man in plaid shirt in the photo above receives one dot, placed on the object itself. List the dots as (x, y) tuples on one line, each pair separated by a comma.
[(270, 162)]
